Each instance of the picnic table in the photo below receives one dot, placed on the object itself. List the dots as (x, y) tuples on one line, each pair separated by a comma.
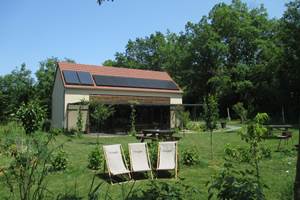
[(285, 133), (158, 135), (278, 127)]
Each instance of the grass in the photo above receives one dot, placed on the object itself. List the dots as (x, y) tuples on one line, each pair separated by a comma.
[(277, 172)]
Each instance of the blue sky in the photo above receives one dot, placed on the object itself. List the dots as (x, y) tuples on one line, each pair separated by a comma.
[(33, 30)]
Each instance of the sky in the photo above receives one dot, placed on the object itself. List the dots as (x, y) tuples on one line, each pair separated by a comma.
[(34, 30)]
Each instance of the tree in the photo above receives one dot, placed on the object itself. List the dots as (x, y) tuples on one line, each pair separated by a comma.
[(100, 113), (45, 82), (236, 182), (289, 69), (15, 88), (210, 115), (101, 1)]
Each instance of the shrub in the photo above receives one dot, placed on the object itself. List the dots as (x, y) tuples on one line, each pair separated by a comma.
[(59, 161), (163, 191), (190, 157), (95, 159), (195, 126), (25, 178), (235, 184), (31, 116)]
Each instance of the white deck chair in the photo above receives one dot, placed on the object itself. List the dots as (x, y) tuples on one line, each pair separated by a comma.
[(139, 158), (167, 156), (115, 161)]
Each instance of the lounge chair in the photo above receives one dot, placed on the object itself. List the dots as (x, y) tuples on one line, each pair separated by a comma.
[(115, 161), (167, 157), (139, 158)]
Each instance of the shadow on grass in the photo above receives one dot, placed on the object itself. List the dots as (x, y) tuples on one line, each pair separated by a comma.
[(137, 176), (114, 179)]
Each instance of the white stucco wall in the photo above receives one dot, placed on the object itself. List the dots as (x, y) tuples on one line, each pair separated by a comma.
[(57, 112), (176, 100)]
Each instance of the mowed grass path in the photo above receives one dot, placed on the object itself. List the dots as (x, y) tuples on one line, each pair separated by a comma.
[(277, 172)]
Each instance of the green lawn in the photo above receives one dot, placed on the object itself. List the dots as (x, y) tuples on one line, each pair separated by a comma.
[(277, 172)]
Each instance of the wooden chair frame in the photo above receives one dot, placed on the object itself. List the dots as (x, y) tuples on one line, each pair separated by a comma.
[(108, 170), (149, 162), (176, 160)]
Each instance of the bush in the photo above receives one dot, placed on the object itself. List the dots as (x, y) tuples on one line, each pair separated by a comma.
[(27, 172), (195, 126), (235, 184), (163, 191), (31, 116), (190, 157), (59, 161), (56, 131), (95, 159)]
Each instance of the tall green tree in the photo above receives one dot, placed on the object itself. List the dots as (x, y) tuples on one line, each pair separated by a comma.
[(45, 82), (252, 52), (15, 88), (210, 116), (290, 41)]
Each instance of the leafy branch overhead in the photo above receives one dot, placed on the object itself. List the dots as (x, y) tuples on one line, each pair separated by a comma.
[(101, 1)]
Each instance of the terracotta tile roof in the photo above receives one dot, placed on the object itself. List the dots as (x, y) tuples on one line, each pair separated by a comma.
[(117, 71)]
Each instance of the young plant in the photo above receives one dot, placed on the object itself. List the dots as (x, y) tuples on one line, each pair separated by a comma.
[(132, 120), (211, 115), (153, 147), (253, 135), (235, 183), (95, 159), (59, 161), (26, 175), (163, 191), (100, 113), (190, 157), (31, 116), (79, 123)]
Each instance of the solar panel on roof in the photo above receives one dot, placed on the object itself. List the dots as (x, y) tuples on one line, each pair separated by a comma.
[(71, 77), (115, 81), (85, 78)]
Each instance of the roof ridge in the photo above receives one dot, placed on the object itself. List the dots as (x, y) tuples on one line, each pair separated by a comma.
[(115, 67)]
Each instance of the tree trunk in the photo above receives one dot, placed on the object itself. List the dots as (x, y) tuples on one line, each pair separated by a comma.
[(297, 179), (228, 114)]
